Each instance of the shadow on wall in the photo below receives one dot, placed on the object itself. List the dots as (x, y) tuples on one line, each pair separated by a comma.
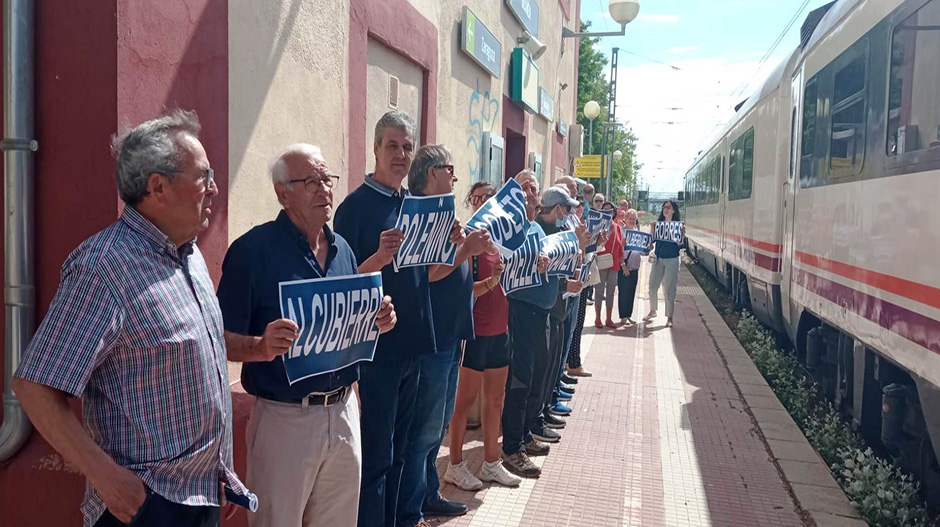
[(252, 95)]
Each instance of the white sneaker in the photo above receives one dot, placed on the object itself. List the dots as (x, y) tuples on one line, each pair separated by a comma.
[(497, 473), (461, 476)]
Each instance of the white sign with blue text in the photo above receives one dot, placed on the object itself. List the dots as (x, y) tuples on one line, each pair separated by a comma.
[(669, 231), (336, 317), (521, 267), (583, 274), (426, 222), (638, 241), (598, 221), (562, 251), (504, 217)]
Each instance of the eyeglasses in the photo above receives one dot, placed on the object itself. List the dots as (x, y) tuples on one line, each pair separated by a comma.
[(598, 200), (208, 177), (448, 168), (312, 183), (477, 199)]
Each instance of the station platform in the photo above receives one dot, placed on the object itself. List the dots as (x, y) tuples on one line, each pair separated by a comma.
[(661, 435)]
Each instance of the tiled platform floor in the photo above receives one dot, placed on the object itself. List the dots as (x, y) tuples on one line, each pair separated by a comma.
[(658, 437)]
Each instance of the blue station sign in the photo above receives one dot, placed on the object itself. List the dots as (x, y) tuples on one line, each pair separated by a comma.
[(480, 43), (546, 105), (527, 13)]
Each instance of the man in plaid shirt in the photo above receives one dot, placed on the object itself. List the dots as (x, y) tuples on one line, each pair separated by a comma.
[(135, 331)]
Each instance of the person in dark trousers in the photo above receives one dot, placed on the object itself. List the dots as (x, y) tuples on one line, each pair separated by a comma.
[(304, 456), (432, 173), (629, 275), (555, 207), (528, 332), (388, 385)]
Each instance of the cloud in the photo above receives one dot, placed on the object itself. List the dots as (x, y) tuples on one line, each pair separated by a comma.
[(682, 49), (675, 113), (659, 19)]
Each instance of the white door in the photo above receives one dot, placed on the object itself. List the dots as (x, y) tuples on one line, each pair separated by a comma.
[(789, 198)]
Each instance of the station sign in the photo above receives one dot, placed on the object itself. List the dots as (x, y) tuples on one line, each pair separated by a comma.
[(562, 128), (587, 166), (525, 80), (527, 13), (479, 42), (546, 105)]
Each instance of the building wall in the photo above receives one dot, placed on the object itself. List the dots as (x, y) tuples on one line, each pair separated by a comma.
[(261, 75), (287, 80)]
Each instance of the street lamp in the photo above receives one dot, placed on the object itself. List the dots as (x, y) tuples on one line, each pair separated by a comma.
[(591, 111), (618, 155), (622, 11)]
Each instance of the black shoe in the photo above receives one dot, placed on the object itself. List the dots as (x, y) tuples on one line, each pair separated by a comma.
[(553, 421), (566, 389), (443, 507), (568, 379), (546, 435)]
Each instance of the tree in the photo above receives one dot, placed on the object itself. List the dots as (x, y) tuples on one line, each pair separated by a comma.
[(594, 85)]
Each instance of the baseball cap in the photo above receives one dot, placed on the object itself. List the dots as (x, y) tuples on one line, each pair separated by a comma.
[(557, 196)]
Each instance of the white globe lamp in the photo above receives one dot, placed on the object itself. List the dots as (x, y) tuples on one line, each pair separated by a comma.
[(592, 110), (618, 155), (624, 11)]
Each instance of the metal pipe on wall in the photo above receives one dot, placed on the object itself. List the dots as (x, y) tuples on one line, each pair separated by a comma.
[(18, 146)]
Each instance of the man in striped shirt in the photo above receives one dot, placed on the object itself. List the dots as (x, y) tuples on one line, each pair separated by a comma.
[(135, 331)]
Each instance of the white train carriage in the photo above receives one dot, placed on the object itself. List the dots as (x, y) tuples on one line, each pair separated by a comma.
[(838, 242)]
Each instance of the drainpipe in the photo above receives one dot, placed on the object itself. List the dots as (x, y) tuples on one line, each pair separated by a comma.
[(18, 146)]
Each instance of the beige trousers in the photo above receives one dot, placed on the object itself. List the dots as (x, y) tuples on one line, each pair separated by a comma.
[(305, 465)]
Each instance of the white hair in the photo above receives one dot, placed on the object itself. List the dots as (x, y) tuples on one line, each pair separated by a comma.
[(279, 166)]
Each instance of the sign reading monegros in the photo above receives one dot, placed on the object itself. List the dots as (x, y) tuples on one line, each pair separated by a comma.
[(478, 42), (527, 12)]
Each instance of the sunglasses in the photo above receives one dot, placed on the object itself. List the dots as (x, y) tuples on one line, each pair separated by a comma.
[(477, 199)]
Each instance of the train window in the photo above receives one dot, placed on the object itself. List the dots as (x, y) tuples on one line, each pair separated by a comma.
[(808, 135), (913, 98), (847, 139), (741, 166)]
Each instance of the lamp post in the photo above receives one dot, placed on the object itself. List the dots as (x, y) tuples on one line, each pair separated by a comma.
[(617, 155), (622, 11), (591, 111)]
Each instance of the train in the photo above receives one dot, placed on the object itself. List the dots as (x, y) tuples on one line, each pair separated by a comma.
[(816, 206)]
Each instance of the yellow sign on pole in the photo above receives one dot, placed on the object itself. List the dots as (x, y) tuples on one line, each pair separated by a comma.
[(587, 166)]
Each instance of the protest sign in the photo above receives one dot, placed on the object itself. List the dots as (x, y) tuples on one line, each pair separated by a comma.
[(521, 269), (638, 241), (670, 231), (573, 221), (598, 221), (426, 222), (504, 217), (562, 251), (336, 317), (583, 274)]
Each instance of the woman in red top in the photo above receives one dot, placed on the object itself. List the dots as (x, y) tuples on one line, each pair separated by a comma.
[(605, 291), (486, 363)]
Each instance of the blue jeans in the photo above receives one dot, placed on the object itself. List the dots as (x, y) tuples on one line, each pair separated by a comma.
[(434, 484), (387, 389), (425, 434)]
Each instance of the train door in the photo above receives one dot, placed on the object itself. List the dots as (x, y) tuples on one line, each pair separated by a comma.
[(722, 201), (789, 198)]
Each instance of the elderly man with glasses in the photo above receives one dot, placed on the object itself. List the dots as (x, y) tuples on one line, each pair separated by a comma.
[(304, 447), (136, 332)]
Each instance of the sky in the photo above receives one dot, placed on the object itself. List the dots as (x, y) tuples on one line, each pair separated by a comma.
[(717, 46)]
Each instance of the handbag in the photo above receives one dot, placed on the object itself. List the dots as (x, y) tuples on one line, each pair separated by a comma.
[(594, 277), (605, 261)]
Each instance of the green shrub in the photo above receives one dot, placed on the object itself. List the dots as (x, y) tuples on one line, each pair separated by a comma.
[(828, 433), (881, 493)]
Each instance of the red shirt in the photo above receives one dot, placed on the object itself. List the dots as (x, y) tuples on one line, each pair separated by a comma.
[(491, 311), (614, 245)]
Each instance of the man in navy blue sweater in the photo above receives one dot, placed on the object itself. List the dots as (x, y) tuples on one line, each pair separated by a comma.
[(388, 385)]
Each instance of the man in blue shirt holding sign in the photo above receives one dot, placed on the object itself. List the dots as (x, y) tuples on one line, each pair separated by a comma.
[(389, 383), (304, 453)]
